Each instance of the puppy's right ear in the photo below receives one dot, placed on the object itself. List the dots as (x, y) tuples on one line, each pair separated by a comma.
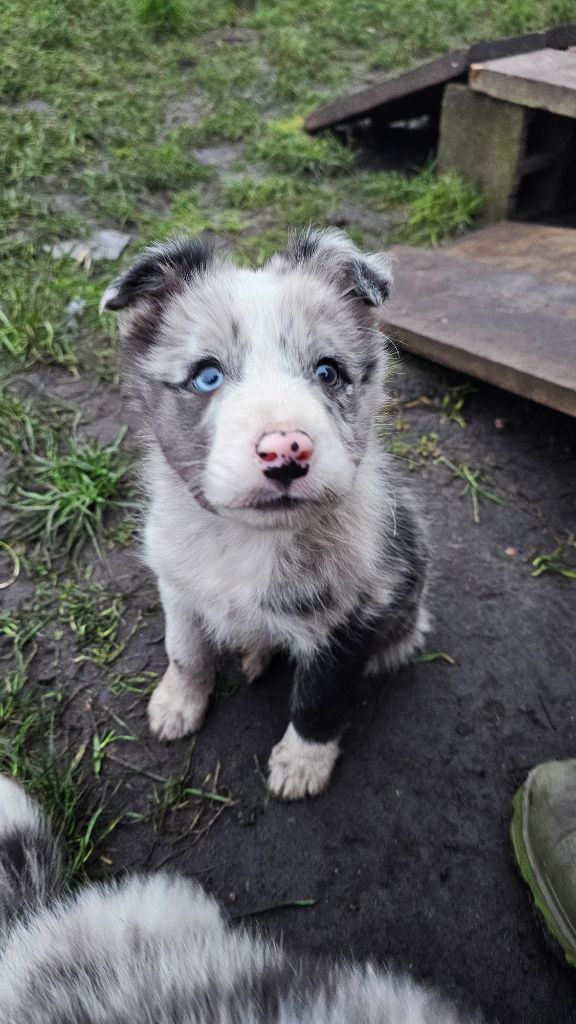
[(160, 271)]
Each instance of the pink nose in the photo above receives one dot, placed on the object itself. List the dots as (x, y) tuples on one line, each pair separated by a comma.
[(285, 446)]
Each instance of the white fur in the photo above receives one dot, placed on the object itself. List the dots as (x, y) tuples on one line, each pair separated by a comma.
[(299, 768), (157, 949), (175, 708), (220, 569), (16, 809)]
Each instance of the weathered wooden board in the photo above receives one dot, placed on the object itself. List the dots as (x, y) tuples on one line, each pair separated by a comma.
[(393, 92), (549, 252), (543, 80), (499, 305), (419, 91)]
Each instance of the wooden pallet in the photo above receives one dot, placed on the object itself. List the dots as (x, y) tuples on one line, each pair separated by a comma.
[(499, 305), (543, 80)]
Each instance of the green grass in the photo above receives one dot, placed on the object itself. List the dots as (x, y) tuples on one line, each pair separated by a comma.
[(161, 17), (474, 484), (69, 493), (95, 618), (560, 562), (436, 206), (34, 749), (285, 147), (233, 120), (454, 400)]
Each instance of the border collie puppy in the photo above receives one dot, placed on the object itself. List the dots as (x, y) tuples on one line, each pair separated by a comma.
[(274, 522), (157, 949)]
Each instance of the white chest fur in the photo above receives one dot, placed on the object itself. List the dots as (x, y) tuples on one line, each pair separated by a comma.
[(234, 576)]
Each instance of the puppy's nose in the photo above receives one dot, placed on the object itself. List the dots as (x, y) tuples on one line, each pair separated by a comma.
[(285, 455)]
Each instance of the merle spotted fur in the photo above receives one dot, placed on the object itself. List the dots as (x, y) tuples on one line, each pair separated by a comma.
[(326, 560), (157, 949)]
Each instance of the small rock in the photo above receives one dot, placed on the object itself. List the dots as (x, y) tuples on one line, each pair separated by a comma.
[(74, 311), (188, 110), (35, 106), (500, 423), (232, 897), (102, 245), (511, 552), (68, 202), (220, 156), (239, 35)]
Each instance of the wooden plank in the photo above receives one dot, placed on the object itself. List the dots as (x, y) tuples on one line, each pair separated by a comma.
[(417, 80), (543, 80), (412, 92), (549, 252), (499, 305)]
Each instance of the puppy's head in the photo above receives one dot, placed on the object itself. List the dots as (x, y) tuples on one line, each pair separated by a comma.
[(261, 387)]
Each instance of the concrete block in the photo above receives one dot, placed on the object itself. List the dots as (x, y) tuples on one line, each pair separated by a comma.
[(483, 140)]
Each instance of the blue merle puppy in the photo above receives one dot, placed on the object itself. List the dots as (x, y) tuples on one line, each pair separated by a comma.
[(275, 521), (157, 949)]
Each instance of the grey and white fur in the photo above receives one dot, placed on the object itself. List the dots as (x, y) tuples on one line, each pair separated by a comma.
[(157, 949), (319, 554)]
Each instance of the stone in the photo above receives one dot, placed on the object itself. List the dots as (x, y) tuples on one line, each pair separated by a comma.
[(220, 156), (106, 244), (34, 106), (483, 140)]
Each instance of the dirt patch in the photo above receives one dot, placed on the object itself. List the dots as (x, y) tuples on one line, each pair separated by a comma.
[(407, 856)]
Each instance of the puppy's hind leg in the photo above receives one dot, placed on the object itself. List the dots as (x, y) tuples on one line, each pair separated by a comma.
[(178, 705), (394, 655), (30, 860)]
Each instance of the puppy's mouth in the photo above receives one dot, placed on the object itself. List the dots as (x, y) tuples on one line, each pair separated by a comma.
[(265, 503), (283, 503)]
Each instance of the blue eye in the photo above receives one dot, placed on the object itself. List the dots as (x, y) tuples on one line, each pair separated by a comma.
[(327, 373), (209, 378)]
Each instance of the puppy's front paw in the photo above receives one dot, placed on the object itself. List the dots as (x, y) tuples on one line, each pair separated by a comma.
[(299, 768), (176, 709)]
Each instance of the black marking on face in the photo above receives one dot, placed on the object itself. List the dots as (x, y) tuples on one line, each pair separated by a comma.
[(161, 270), (285, 474)]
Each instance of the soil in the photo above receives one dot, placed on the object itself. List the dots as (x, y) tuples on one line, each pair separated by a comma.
[(407, 855)]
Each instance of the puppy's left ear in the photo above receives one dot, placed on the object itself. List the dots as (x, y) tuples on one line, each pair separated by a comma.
[(160, 271), (333, 256)]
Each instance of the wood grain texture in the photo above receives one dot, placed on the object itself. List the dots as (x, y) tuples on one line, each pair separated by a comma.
[(543, 80), (499, 305)]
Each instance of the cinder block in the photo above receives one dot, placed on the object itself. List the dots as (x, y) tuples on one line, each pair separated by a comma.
[(483, 140)]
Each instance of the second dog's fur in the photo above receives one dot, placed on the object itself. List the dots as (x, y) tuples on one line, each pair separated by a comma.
[(156, 949), (275, 520)]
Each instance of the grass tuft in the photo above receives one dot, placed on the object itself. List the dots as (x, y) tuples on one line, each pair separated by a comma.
[(161, 18), (560, 562), (436, 206), (285, 147), (70, 492), (95, 618)]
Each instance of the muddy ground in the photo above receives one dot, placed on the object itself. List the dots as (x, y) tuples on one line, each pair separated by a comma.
[(407, 857)]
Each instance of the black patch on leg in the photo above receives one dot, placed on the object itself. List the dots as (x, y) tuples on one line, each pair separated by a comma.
[(324, 691)]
